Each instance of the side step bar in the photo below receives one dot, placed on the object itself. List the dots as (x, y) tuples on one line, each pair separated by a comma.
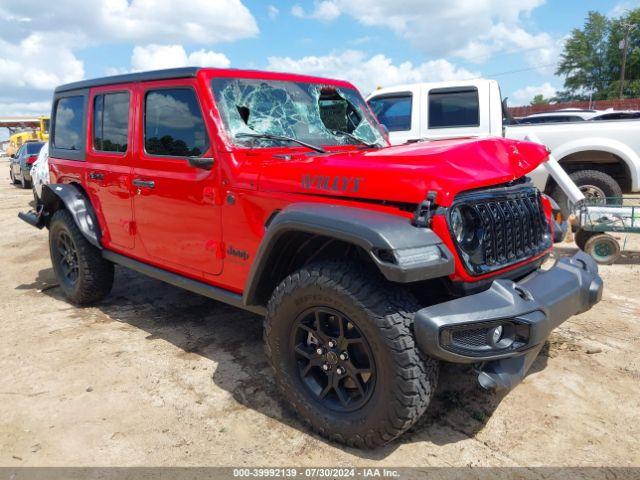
[(194, 286)]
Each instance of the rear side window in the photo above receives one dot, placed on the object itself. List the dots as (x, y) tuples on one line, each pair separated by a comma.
[(393, 111), (454, 108), (173, 124), (67, 134), (111, 122)]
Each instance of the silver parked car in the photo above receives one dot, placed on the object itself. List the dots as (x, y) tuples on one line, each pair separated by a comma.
[(40, 172)]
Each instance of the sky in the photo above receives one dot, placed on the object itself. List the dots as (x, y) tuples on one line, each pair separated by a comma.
[(371, 43)]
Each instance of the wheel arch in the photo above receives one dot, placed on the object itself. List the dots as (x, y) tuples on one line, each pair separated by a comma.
[(72, 197), (305, 232), (599, 149)]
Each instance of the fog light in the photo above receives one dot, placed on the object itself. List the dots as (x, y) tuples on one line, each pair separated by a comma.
[(496, 334)]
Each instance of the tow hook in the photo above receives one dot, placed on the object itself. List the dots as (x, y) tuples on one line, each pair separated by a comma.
[(422, 215)]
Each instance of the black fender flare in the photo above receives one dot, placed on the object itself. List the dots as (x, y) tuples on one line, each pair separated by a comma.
[(74, 199), (387, 238)]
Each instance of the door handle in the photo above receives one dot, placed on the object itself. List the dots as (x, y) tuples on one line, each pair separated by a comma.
[(96, 176), (144, 183)]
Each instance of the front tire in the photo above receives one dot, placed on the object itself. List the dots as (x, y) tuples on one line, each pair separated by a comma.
[(84, 276), (335, 326)]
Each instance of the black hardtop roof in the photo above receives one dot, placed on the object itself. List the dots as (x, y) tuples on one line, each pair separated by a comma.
[(184, 72)]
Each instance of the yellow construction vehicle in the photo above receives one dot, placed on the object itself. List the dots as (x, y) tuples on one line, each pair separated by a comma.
[(25, 129)]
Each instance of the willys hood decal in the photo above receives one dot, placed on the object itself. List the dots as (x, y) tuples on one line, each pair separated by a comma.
[(405, 173)]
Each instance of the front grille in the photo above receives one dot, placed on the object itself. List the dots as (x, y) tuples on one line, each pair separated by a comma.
[(511, 227)]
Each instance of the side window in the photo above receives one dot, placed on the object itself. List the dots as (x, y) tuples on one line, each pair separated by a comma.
[(67, 130), (111, 122), (173, 123), (393, 111), (454, 108)]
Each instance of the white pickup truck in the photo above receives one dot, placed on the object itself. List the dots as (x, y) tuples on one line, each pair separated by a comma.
[(601, 157)]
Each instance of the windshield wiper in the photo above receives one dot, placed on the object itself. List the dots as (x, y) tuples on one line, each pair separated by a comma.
[(353, 137), (283, 138)]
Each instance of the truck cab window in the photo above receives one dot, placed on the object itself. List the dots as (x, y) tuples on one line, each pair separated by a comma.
[(454, 108), (393, 111), (173, 124)]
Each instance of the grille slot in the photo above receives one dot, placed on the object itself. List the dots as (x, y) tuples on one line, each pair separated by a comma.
[(472, 337), (511, 226)]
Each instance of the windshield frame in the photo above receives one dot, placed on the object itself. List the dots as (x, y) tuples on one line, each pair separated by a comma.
[(360, 104)]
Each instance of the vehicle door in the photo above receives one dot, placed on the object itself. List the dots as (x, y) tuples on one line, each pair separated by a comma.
[(15, 162), (455, 111), (176, 204), (109, 162), (397, 113)]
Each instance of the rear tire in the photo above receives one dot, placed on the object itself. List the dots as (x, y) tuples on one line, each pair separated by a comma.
[(377, 318), (84, 276), (594, 184)]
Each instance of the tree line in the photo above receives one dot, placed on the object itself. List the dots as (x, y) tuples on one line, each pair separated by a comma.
[(592, 58)]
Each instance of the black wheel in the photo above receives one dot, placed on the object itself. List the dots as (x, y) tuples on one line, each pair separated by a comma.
[(597, 187), (604, 249), (340, 342), (582, 236), (23, 182), (83, 274)]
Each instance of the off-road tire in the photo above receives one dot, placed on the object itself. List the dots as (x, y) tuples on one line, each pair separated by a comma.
[(599, 179), (95, 274), (405, 378)]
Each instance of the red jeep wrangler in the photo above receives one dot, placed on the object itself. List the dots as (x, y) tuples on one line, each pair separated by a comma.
[(280, 194)]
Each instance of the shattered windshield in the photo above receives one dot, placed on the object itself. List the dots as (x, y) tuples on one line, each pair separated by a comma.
[(312, 113)]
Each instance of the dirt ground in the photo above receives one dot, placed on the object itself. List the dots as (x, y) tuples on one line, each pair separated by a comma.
[(156, 376)]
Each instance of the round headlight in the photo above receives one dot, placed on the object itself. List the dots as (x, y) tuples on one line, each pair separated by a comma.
[(496, 334), (457, 225), (464, 226)]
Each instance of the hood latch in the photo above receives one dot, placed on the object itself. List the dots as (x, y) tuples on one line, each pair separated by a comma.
[(422, 215)]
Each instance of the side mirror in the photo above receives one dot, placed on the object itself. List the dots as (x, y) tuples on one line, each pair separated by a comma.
[(205, 163)]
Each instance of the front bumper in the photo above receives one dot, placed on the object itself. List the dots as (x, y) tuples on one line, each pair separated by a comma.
[(460, 330)]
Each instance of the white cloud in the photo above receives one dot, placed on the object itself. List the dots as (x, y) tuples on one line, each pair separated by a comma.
[(273, 12), (94, 21), (15, 109), (154, 57), (325, 10), (621, 8), (37, 62), (369, 72), (472, 29), (524, 95)]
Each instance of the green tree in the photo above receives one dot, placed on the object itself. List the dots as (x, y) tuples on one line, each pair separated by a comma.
[(592, 58), (585, 60), (617, 29), (540, 100)]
